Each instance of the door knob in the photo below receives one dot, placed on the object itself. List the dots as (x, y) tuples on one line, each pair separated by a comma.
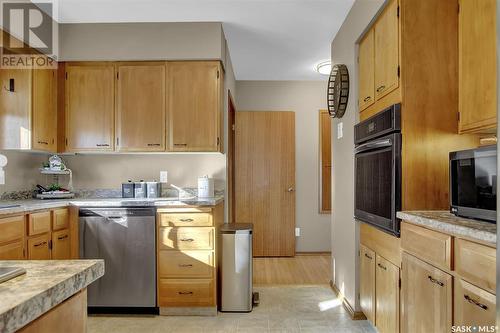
[(291, 189)]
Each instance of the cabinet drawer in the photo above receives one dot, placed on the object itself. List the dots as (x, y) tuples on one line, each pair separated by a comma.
[(11, 228), (431, 246), (186, 264), (473, 306), (186, 238), (186, 292), (476, 263), (60, 219), (185, 220), (38, 248), (38, 223), (61, 245), (12, 251)]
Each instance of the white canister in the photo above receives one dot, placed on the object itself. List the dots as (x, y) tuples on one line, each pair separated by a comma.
[(206, 187)]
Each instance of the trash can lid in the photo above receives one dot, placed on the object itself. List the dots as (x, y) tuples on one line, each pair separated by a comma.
[(232, 228)]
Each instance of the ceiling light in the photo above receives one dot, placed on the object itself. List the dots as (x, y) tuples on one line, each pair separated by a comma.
[(323, 67)]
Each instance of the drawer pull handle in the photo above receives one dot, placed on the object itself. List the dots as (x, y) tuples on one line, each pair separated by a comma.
[(185, 292), (186, 220), (187, 240), (381, 266), (62, 237), (367, 99), (43, 143), (185, 265), (102, 145), (366, 255), (180, 144), (476, 303), (40, 244), (154, 144), (433, 280), (381, 88)]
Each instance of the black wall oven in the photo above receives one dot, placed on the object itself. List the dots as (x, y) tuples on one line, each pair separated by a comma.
[(378, 170)]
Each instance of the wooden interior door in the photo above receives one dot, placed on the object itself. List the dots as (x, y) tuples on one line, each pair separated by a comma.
[(140, 107), (325, 198), (265, 180)]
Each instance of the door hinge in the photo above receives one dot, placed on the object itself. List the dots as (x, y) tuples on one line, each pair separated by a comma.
[(458, 116), (50, 244), (233, 127), (458, 7), (397, 12), (399, 71), (117, 75), (218, 74), (399, 283), (66, 141), (117, 141), (66, 75), (218, 141)]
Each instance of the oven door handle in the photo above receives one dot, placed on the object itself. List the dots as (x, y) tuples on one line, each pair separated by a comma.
[(373, 145)]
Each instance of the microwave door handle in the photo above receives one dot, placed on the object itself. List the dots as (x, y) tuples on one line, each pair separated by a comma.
[(373, 145)]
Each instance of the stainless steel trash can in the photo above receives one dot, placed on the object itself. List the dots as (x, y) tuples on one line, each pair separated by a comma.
[(236, 267)]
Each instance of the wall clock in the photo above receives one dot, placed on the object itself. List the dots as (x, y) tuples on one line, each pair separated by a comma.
[(338, 91)]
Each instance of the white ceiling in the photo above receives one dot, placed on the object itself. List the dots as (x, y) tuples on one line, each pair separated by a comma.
[(268, 39)]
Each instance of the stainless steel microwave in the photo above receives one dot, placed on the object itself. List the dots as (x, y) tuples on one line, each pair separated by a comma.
[(473, 183)]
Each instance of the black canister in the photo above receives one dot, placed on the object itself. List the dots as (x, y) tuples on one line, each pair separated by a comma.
[(128, 190)]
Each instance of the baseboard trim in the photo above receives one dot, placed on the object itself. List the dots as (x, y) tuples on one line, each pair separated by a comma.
[(355, 315), (313, 253)]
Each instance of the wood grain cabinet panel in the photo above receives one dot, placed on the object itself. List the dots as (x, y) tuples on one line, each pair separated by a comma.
[(39, 247), (387, 296), (89, 97), (12, 228), (426, 297), (60, 219), (386, 41), (140, 106), (61, 245), (186, 264), (185, 292), (44, 110), (473, 306), (477, 66), (195, 105), (185, 219), (476, 263), (367, 282), (186, 238), (39, 223), (366, 71), (12, 251)]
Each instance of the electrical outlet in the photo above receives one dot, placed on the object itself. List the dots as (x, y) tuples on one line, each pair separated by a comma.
[(340, 130), (164, 177), (297, 232)]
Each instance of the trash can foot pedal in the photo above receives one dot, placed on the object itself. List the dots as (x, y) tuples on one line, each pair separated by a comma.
[(255, 298)]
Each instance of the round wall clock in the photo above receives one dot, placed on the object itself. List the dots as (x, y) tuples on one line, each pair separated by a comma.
[(338, 91)]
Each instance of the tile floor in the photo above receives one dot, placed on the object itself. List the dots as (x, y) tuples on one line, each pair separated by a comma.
[(281, 309)]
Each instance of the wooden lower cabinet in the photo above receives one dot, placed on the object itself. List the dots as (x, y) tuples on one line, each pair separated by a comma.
[(473, 306), (39, 247), (61, 245), (387, 296), (426, 295), (186, 292), (12, 251), (367, 282)]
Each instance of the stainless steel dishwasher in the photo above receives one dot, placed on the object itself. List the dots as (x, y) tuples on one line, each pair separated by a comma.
[(126, 239)]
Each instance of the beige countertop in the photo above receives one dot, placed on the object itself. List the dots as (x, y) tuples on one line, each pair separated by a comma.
[(446, 222), (46, 284)]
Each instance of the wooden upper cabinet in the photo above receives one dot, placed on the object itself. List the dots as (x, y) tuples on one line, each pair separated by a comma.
[(366, 71), (44, 110), (386, 39), (367, 282), (426, 294), (89, 97), (195, 105), (15, 109), (140, 107), (477, 66)]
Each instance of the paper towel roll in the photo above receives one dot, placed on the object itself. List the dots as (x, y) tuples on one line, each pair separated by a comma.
[(206, 187)]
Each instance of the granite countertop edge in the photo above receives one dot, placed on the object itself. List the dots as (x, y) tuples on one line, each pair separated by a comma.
[(443, 221), (26, 312), (27, 206)]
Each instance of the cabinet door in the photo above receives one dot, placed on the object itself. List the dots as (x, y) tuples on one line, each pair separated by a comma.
[(12, 251), (15, 109), (367, 282), (366, 71), (194, 105), (89, 107), (140, 102), (387, 51), (61, 245), (473, 306), (387, 296), (39, 247), (44, 110), (426, 297), (477, 65)]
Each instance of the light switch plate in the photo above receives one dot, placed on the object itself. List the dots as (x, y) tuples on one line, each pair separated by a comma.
[(163, 176), (2, 177), (297, 232), (340, 130)]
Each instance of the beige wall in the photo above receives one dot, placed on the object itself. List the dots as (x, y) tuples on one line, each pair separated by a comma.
[(305, 98), (345, 231), (22, 172)]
